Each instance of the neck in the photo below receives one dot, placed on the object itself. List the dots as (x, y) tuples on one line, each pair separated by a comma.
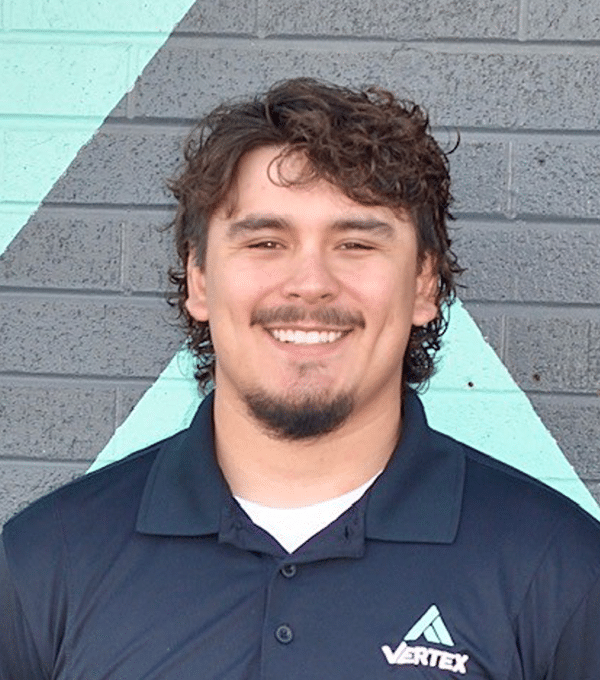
[(282, 473)]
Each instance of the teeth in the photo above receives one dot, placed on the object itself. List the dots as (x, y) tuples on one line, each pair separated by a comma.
[(306, 337)]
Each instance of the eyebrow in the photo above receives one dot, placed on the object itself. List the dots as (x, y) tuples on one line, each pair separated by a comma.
[(256, 223), (371, 225)]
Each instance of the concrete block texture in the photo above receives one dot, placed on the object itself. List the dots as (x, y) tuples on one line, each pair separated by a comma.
[(529, 262), (122, 165), (86, 336), (558, 178), (479, 169), (127, 250), (187, 78), (127, 398), (177, 82), (148, 252), (594, 488), (498, 88), (120, 109), (65, 250), (595, 354), (55, 421), (551, 354), (574, 423), (459, 88), (22, 483), (399, 19), (491, 327), (229, 17), (563, 20)]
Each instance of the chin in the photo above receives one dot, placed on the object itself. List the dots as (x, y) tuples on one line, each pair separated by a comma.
[(298, 417)]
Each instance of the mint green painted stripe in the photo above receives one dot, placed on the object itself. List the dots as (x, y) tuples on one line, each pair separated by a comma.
[(166, 408), (494, 415), (95, 15), (12, 218), (83, 78)]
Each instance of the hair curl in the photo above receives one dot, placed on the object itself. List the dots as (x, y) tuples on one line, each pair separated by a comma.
[(376, 149)]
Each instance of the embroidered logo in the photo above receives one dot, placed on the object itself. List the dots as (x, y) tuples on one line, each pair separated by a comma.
[(432, 627)]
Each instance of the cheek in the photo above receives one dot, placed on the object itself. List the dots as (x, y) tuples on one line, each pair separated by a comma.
[(385, 294), (234, 291)]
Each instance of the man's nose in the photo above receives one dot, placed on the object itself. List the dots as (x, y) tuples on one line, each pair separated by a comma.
[(311, 279)]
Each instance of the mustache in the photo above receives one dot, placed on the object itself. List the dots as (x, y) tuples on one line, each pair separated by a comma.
[(326, 316)]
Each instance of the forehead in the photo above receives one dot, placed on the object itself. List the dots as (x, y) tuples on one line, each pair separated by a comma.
[(267, 181)]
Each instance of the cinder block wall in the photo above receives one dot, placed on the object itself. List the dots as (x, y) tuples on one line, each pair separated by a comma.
[(84, 327)]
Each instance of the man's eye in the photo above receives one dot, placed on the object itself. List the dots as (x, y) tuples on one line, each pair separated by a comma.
[(267, 245), (354, 245)]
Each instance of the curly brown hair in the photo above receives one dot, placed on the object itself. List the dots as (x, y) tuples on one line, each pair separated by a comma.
[(376, 149)]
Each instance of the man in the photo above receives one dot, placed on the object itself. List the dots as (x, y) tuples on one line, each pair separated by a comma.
[(308, 525)]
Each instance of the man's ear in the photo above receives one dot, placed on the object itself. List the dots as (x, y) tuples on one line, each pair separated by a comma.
[(196, 285), (426, 307)]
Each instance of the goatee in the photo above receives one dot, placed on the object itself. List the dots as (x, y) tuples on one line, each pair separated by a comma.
[(298, 419)]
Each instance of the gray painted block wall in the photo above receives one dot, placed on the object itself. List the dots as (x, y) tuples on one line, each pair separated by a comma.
[(85, 328)]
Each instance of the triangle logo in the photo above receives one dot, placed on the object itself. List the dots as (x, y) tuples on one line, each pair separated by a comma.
[(431, 627)]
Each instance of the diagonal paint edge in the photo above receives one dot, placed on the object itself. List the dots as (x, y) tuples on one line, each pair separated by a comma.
[(96, 83), (518, 437)]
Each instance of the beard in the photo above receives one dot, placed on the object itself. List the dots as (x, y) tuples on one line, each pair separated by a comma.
[(294, 419), (312, 414)]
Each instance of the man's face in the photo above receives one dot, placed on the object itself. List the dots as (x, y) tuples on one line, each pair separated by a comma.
[(310, 297)]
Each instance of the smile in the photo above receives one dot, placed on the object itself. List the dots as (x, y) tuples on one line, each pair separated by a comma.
[(306, 337)]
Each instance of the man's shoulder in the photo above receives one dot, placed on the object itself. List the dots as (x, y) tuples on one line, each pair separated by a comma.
[(504, 502), (98, 501)]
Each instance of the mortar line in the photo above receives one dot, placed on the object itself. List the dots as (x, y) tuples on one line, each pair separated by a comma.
[(123, 256), (523, 27), (131, 68), (583, 399), (60, 463), (588, 354), (181, 126), (118, 404), (503, 338), (325, 42), (73, 381), (491, 219), (7, 16), (298, 41), (510, 198), (136, 298), (83, 380), (566, 314), (259, 31)]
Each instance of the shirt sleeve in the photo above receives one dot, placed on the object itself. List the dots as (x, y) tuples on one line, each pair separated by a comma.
[(19, 656), (34, 572), (577, 654)]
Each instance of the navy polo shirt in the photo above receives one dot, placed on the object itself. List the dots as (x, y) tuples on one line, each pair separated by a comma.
[(452, 565)]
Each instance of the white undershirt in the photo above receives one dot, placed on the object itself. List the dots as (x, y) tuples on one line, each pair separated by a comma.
[(292, 527)]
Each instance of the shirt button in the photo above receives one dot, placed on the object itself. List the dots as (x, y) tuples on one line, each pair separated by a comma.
[(284, 634), (288, 570)]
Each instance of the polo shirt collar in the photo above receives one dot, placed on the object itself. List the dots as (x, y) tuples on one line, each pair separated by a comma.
[(185, 489), (417, 498)]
